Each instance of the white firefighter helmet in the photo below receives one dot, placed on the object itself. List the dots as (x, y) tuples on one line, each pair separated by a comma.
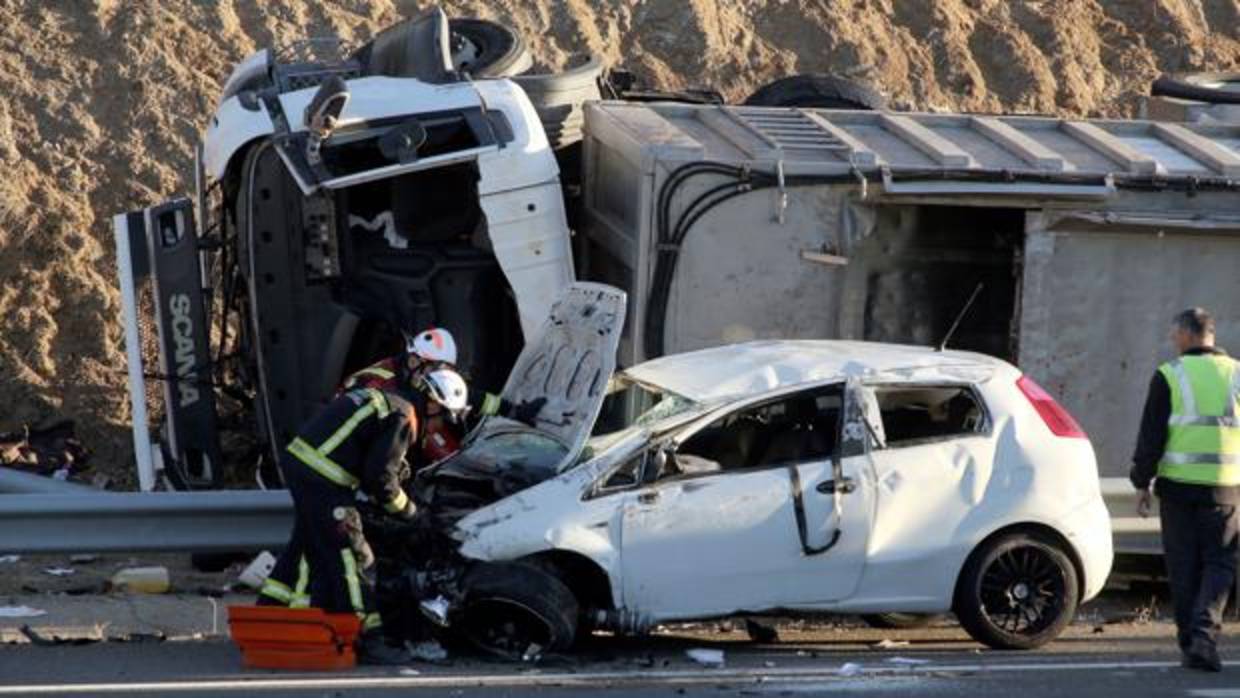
[(432, 344), (446, 387)]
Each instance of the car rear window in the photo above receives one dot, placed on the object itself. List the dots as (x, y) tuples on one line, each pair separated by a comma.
[(921, 414)]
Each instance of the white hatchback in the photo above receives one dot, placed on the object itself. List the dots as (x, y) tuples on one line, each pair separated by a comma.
[(768, 477)]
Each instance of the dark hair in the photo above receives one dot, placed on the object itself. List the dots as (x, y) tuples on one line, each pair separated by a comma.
[(1196, 321)]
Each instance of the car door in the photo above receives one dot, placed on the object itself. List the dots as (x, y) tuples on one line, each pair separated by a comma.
[(768, 533), (932, 468)]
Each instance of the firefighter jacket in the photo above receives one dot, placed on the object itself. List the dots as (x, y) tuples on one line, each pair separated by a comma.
[(359, 441)]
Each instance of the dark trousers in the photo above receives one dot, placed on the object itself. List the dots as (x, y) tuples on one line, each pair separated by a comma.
[(1200, 546), (326, 542)]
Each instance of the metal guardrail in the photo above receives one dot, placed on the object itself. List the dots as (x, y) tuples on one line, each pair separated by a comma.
[(1133, 535), (245, 520), (222, 521)]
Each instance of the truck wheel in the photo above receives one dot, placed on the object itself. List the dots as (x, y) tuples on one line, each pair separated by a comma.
[(487, 49), (1215, 88), (899, 621), (1017, 591), (481, 48), (559, 98), (513, 610), (817, 91)]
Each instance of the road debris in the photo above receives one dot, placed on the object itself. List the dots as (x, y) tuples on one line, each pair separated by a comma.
[(37, 638), (706, 657), (887, 644), (409, 672), (258, 570), (21, 612), (142, 580), (436, 610), (850, 669), (907, 661), (532, 653), (51, 451), (428, 651)]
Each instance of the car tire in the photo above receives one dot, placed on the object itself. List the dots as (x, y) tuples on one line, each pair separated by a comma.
[(509, 608), (1200, 87), (899, 621), (1017, 591), (816, 91)]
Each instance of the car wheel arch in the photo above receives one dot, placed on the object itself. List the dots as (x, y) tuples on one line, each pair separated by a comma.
[(1038, 530), (587, 579)]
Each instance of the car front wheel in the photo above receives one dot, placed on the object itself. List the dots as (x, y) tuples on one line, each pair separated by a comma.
[(1017, 591), (517, 611)]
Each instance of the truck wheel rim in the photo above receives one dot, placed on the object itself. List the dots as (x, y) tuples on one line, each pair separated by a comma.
[(1022, 591)]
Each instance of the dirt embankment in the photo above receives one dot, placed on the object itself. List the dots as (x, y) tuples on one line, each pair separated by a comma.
[(101, 102)]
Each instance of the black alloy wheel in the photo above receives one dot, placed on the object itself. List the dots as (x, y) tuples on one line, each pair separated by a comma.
[(1017, 591)]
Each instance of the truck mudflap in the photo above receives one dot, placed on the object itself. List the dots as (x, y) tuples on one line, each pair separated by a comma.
[(167, 342)]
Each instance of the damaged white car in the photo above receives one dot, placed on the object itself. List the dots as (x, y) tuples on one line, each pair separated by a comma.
[(779, 477)]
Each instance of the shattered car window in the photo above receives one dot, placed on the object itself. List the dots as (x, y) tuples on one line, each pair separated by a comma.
[(527, 451), (630, 404)]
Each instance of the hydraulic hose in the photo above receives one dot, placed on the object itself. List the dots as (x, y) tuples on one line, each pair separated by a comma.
[(739, 180)]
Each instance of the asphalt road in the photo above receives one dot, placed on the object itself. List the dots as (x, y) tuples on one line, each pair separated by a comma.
[(1130, 660)]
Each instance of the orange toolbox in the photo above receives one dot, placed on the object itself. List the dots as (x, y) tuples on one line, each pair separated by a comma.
[(305, 639)]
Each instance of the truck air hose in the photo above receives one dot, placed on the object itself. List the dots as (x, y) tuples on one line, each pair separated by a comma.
[(669, 237)]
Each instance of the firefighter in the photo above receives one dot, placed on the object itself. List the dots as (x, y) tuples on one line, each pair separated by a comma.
[(437, 345), (356, 442), (1189, 446)]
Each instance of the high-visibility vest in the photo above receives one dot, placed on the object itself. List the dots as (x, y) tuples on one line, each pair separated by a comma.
[(1203, 432)]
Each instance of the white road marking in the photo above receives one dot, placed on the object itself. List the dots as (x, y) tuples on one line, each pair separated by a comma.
[(704, 676)]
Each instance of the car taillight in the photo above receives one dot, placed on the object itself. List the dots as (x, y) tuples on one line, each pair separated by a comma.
[(1056, 417)]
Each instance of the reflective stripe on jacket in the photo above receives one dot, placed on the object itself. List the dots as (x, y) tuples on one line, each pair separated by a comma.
[(359, 440), (1203, 432)]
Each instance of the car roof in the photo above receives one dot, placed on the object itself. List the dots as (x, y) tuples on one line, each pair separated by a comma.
[(754, 368)]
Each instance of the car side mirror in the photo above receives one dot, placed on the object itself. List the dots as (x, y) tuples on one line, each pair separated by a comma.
[(659, 464)]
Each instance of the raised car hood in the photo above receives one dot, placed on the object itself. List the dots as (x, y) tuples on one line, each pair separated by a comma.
[(570, 362)]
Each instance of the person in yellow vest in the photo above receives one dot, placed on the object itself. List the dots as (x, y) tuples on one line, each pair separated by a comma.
[(1189, 449)]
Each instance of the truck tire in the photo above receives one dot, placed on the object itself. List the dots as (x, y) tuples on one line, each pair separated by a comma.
[(1215, 88), (816, 91), (512, 609), (559, 99), (899, 621), (482, 48), (1017, 591), (487, 49)]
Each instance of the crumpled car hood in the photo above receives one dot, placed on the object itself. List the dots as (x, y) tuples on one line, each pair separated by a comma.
[(569, 364)]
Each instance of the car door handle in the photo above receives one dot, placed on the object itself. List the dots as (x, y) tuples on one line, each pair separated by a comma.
[(847, 486), (647, 497)]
